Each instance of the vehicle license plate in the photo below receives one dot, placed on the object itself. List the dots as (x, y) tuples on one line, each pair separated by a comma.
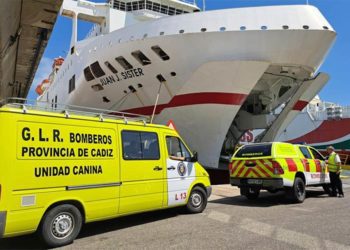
[(254, 181)]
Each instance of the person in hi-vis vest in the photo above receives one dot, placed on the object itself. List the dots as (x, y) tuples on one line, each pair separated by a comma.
[(334, 168)]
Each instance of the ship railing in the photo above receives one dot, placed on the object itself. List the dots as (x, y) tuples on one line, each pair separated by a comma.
[(94, 31), (150, 5), (67, 110)]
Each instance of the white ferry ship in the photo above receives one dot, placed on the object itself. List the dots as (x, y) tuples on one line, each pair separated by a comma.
[(215, 74)]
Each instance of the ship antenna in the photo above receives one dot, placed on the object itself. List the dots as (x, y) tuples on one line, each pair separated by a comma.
[(161, 80), (203, 5)]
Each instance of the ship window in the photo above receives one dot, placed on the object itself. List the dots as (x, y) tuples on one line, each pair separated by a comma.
[(264, 27), (124, 63), (71, 86), (149, 5), (325, 28), (306, 27), (178, 11), (161, 33), (128, 7), (135, 6), (97, 70), (111, 68), (222, 28), (203, 29), (122, 6), (242, 28), (285, 27), (160, 53), (88, 75), (141, 5), (141, 58), (164, 9), (156, 7), (171, 11), (181, 31)]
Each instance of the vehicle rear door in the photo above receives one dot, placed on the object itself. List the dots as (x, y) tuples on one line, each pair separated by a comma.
[(180, 171), (321, 170), (309, 165), (142, 170)]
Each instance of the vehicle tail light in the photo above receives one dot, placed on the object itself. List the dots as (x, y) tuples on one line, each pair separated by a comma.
[(277, 169), (230, 166)]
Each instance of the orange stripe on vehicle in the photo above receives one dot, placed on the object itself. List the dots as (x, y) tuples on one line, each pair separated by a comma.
[(268, 165), (306, 166), (263, 171), (234, 166), (256, 173), (238, 168), (292, 166), (245, 172), (318, 166)]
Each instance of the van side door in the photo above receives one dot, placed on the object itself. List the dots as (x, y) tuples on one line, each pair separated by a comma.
[(142, 170), (321, 169), (309, 165), (180, 172)]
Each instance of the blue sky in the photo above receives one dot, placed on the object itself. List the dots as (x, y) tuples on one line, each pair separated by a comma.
[(336, 64)]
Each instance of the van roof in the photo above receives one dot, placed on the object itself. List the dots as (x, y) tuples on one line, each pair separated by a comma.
[(111, 116)]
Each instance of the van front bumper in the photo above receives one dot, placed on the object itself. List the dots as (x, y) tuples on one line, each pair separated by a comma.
[(274, 183), (2, 223)]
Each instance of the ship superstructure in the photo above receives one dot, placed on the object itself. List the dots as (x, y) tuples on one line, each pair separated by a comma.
[(215, 74)]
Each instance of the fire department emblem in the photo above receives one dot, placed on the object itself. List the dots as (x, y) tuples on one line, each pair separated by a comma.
[(181, 169)]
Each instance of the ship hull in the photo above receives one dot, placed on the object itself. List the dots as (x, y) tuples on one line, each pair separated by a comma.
[(209, 74)]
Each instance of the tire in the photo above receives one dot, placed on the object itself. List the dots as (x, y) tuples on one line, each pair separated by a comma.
[(61, 225), (298, 193), (250, 193), (197, 201)]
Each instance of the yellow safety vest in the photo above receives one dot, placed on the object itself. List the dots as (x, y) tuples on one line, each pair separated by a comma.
[(332, 165)]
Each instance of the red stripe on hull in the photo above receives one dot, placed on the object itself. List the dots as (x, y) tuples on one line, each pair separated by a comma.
[(193, 99), (300, 105), (327, 131)]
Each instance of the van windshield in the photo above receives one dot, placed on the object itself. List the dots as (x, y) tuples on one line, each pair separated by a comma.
[(250, 151)]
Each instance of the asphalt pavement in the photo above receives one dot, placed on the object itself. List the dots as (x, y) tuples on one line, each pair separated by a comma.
[(229, 222)]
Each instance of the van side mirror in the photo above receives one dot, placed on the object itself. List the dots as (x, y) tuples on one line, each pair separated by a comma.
[(194, 158)]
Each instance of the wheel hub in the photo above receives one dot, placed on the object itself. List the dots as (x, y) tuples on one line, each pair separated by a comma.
[(62, 225), (196, 200)]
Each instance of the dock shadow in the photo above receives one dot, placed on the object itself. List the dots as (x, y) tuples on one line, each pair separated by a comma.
[(32, 241), (267, 199)]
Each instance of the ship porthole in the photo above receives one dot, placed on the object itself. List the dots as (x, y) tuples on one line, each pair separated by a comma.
[(203, 29), (242, 28), (222, 28), (181, 31), (173, 73), (264, 27), (285, 27), (306, 27), (325, 28)]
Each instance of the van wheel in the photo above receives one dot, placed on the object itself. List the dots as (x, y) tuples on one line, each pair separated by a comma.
[(61, 225), (250, 193), (197, 201), (298, 192)]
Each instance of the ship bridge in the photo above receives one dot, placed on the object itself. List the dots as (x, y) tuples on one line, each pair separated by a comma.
[(25, 28)]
